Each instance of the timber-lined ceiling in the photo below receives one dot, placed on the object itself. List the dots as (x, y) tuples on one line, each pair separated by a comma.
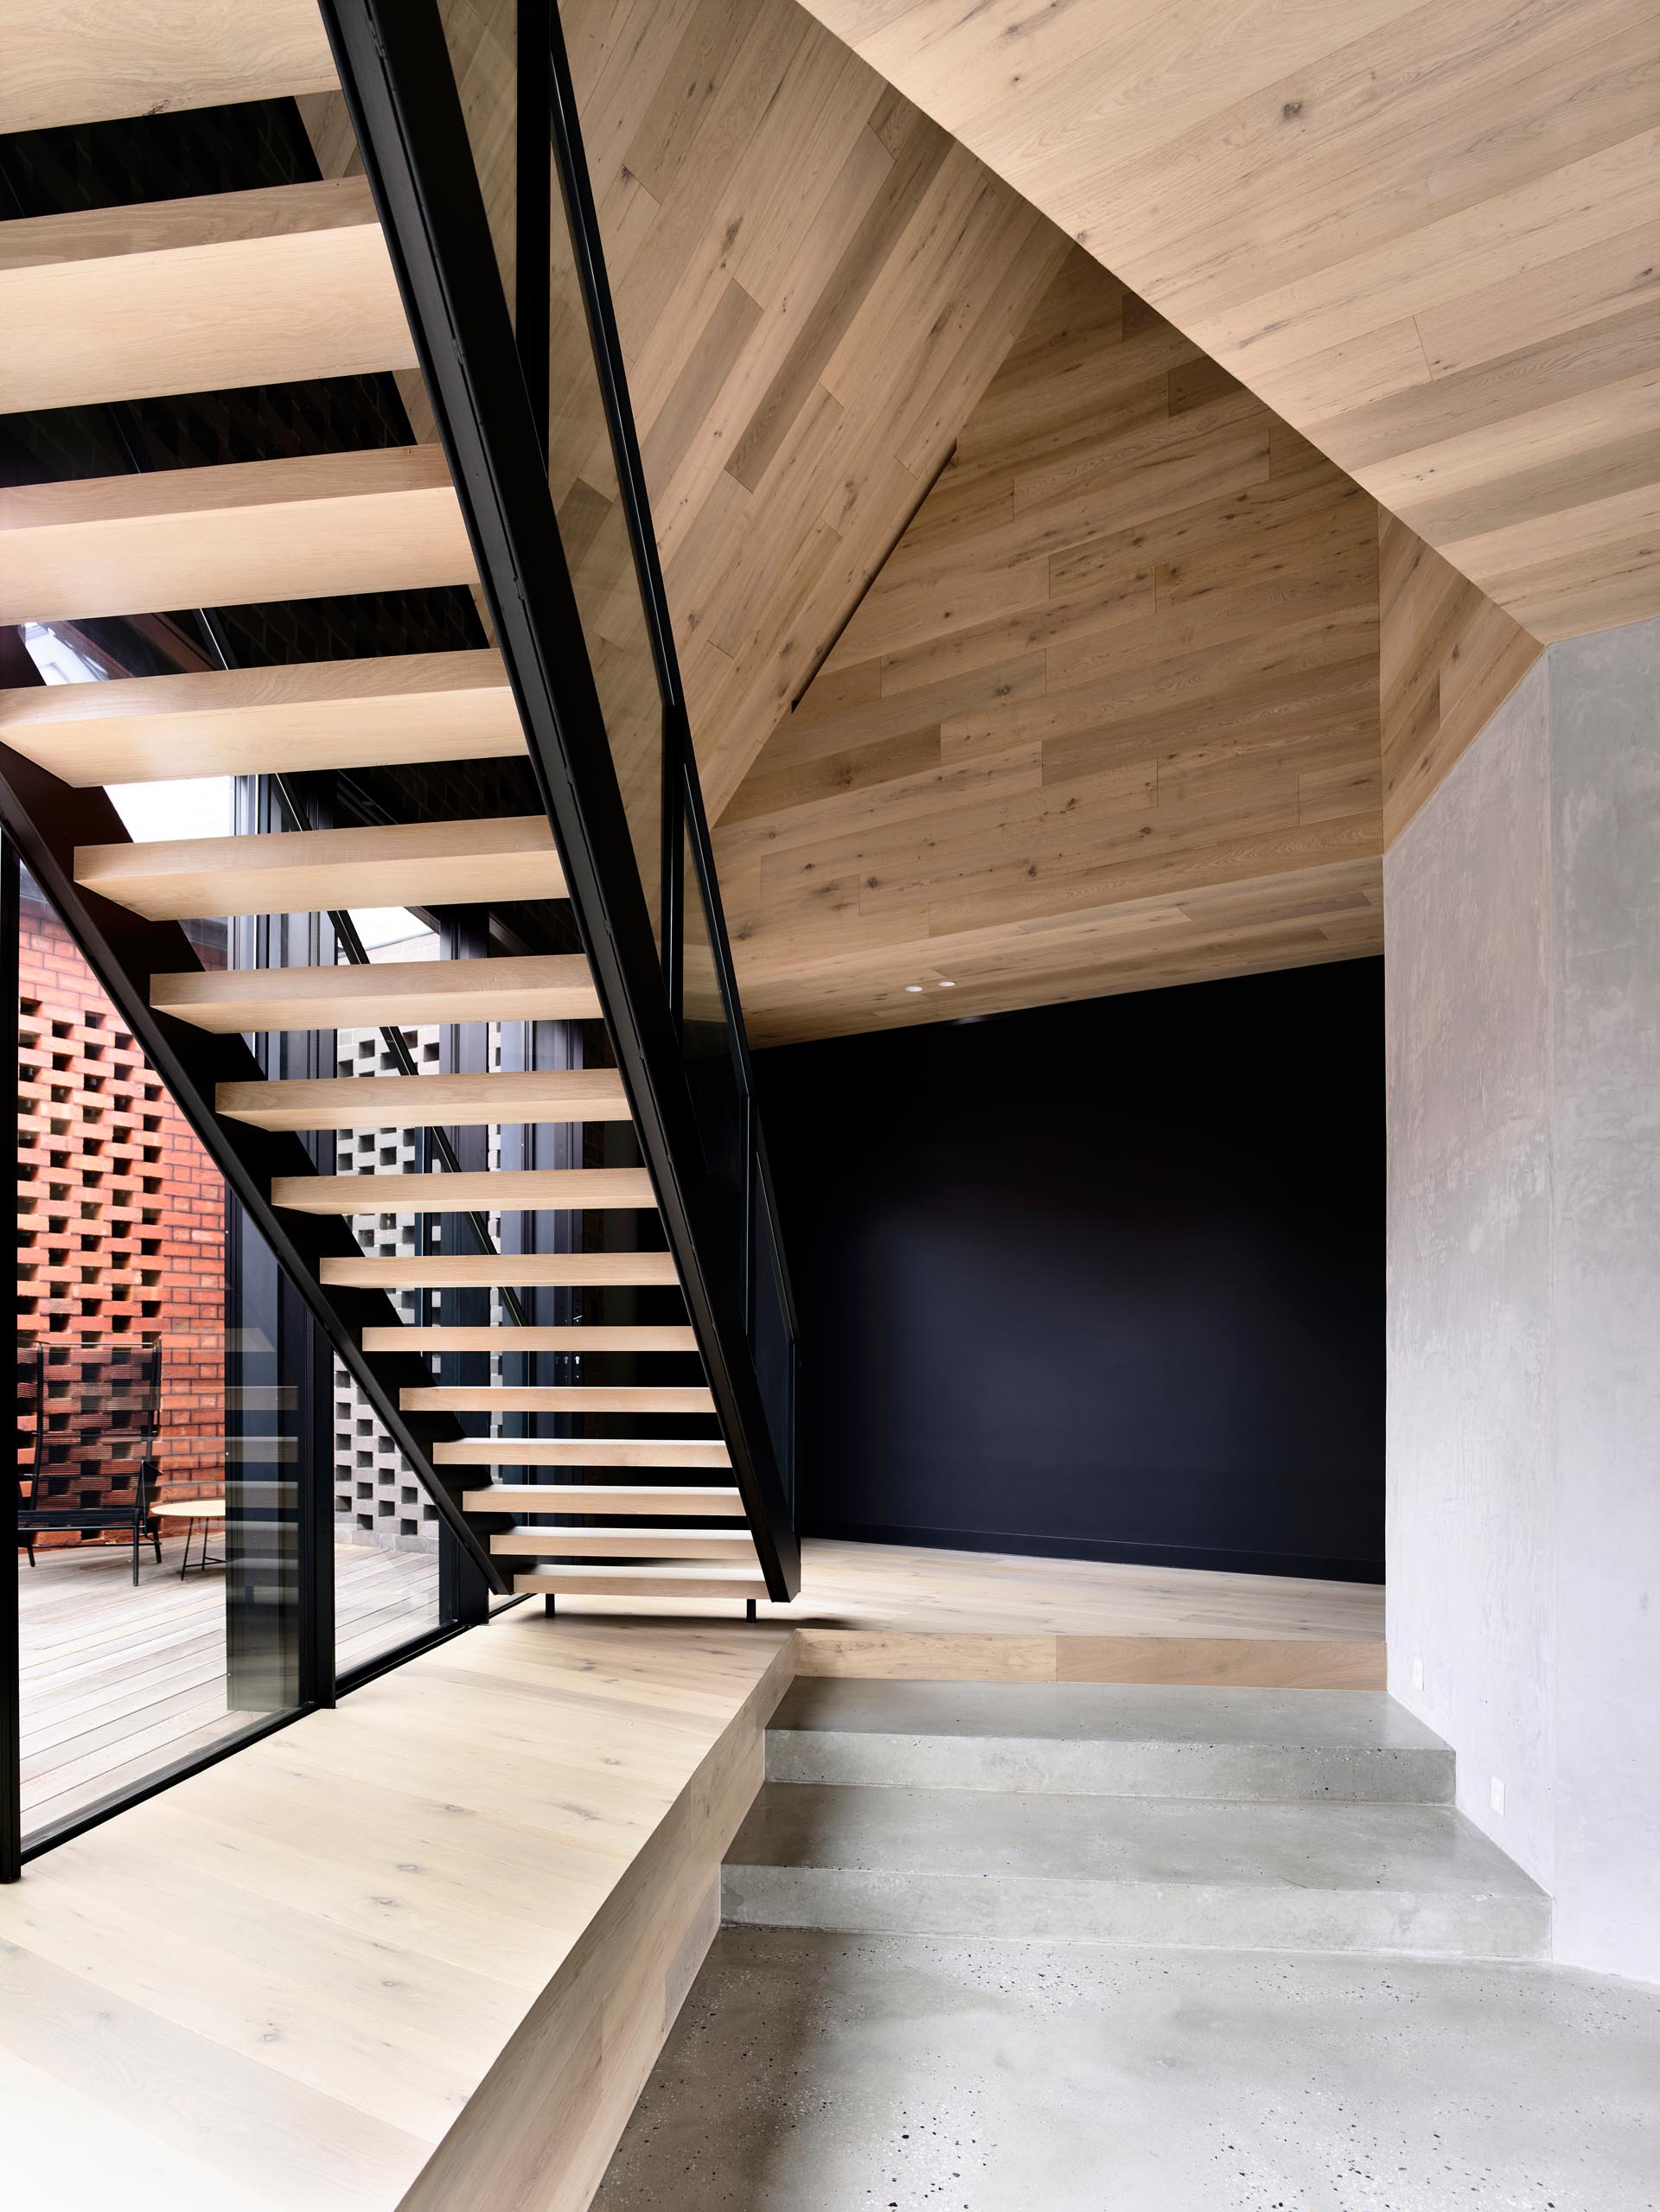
[(1107, 719), (814, 284), (1425, 234)]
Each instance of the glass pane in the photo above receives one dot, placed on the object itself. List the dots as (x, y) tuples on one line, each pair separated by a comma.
[(708, 1048), (593, 526), (159, 1458), (482, 36), (386, 1569), (771, 1342)]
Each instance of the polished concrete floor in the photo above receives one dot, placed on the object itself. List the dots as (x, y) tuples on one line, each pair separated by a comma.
[(811, 2072)]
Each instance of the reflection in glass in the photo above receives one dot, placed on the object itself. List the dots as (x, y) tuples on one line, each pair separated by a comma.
[(158, 1453)]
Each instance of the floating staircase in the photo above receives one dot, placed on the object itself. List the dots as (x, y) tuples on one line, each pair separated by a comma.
[(296, 282)]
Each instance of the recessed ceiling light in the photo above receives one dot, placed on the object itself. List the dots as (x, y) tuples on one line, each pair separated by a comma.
[(945, 983), (913, 986)]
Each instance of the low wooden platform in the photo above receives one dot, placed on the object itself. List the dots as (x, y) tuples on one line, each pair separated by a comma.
[(421, 1952)]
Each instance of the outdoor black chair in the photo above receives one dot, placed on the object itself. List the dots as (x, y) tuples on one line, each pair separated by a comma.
[(90, 1461)]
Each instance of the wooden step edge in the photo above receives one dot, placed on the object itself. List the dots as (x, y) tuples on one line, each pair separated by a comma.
[(567, 1190), (595, 1337), (407, 993), (412, 1101), (593, 1271), (582, 1451), (642, 1543), (309, 872), (97, 60), (640, 1582), (700, 1501), (578, 1398)]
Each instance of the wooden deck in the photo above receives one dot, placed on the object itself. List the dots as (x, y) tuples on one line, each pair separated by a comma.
[(421, 1952), (118, 1681)]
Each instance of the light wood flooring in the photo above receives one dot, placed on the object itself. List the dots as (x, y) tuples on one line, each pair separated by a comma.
[(422, 1951), (118, 1681)]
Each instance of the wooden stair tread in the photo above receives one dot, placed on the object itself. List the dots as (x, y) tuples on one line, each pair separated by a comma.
[(325, 714), (510, 1190), (583, 1451), (580, 1336), (415, 1101), (660, 1498), (308, 871), (643, 1581), (529, 1269), (383, 520), (636, 1543), (577, 1398), (537, 987), (275, 285), (92, 60)]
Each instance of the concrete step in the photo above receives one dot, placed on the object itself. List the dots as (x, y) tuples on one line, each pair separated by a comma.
[(1108, 1740), (1417, 1880)]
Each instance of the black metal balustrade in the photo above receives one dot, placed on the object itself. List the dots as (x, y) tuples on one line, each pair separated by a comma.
[(617, 772)]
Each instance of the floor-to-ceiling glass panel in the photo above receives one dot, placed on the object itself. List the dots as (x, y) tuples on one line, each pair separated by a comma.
[(158, 1472)]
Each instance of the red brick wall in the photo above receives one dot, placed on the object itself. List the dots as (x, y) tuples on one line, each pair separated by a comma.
[(121, 1225)]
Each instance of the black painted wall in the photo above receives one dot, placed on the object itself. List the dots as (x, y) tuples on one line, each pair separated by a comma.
[(1102, 1280)]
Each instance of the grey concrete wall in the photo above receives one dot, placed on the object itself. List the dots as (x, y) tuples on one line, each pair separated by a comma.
[(1605, 747), (1523, 919), (1471, 1500)]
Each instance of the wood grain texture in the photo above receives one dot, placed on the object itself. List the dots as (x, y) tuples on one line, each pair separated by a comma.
[(1107, 719), (1448, 659), (408, 1101), (652, 1500), (643, 1542), (436, 1271), (340, 714), (576, 1398), (1425, 234), (308, 871), (812, 285), (204, 295), (91, 61), (588, 1337), (442, 1191), (384, 519), (541, 987), (470, 1900)]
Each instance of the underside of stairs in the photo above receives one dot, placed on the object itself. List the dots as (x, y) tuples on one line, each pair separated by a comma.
[(566, 1357)]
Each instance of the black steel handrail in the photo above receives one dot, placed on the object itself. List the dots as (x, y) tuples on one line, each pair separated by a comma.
[(396, 73)]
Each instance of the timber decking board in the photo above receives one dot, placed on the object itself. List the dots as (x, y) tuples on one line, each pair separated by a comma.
[(1424, 235), (1107, 720), (270, 286), (383, 520), (401, 709)]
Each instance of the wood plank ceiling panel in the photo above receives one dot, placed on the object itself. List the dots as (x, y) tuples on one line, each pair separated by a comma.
[(814, 284), (1107, 719), (1423, 231)]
